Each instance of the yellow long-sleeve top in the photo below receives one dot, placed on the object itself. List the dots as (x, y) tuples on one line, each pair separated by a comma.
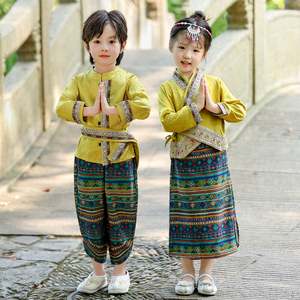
[(179, 114), (105, 138)]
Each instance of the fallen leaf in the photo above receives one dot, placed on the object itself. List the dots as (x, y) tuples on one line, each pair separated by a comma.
[(46, 190), (64, 250), (290, 129), (13, 257), (3, 203)]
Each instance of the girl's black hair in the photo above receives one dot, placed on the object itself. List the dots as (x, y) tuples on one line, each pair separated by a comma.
[(95, 23), (197, 18)]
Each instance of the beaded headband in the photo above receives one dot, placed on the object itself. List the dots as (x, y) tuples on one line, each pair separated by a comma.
[(193, 30)]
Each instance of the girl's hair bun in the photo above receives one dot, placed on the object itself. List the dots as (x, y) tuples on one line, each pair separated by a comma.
[(199, 14)]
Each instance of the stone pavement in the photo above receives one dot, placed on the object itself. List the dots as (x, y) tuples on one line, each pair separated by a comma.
[(41, 256)]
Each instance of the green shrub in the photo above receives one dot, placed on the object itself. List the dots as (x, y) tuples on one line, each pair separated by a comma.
[(5, 6), (220, 25), (275, 4), (175, 7)]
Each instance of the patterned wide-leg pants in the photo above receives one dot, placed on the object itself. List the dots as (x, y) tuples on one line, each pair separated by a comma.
[(106, 204)]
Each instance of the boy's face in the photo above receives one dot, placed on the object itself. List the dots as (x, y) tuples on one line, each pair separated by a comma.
[(187, 55), (105, 50)]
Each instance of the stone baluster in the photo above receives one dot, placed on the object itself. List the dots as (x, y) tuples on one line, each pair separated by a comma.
[(292, 4), (47, 94), (240, 15), (2, 70)]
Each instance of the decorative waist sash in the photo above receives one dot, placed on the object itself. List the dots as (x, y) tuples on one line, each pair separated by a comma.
[(108, 135), (192, 138)]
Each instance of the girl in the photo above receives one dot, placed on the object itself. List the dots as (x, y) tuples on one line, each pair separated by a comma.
[(194, 107), (104, 100)]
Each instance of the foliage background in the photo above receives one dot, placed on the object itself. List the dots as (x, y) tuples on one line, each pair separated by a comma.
[(220, 25), (5, 6), (174, 6)]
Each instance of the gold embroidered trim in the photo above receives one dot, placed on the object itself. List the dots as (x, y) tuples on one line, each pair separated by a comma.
[(106, 135), (192, 89), (126, 110), (104, 117), (195, 113), (192, 139), (119, 151), (104, 149), (179, 80), (76, 112), (223, 109), (105, 124)]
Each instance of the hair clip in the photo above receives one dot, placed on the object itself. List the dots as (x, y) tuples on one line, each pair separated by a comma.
[(193, 30), (193, 33)]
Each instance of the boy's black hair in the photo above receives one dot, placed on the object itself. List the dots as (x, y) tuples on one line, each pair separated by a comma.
[(95, 23)]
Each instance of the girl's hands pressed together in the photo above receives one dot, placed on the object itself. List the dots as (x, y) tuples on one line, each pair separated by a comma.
[(200, 100), (209, 104)]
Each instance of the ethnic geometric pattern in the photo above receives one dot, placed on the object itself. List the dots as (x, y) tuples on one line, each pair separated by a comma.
[(105, 124), (195, 113), (126, 110), (192, 88), (106, 204), (107, 134), (179, 80), (202, 210), (110, 135), (104, 117), (193, 137), (223, 109), (75, 112)]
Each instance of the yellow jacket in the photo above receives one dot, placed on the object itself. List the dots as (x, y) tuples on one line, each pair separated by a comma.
[(105, 138), (178, 113)]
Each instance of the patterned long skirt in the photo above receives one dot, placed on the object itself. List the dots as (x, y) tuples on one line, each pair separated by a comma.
[(106, 204), (203, 221)]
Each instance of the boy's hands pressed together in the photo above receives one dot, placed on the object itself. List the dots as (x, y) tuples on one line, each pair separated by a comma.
[(96, 109), (106, 108), (100, 105)]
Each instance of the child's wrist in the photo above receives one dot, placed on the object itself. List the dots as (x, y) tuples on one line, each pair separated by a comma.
[(214, 108), (111, 111)]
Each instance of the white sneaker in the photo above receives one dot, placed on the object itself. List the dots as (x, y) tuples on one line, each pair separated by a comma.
[(119, 284), (184, 287), (92, 284), (206, 287)]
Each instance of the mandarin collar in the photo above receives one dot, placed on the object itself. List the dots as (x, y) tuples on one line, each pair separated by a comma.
[(183, 77), (106, 76)]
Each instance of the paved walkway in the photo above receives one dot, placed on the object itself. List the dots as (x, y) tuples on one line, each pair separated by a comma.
[(41, 256)]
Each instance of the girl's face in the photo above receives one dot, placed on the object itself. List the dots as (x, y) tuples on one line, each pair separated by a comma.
[(187, 55), (105, 50)]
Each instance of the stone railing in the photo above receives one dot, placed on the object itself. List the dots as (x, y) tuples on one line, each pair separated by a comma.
[(260, 50), (46, 34)]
